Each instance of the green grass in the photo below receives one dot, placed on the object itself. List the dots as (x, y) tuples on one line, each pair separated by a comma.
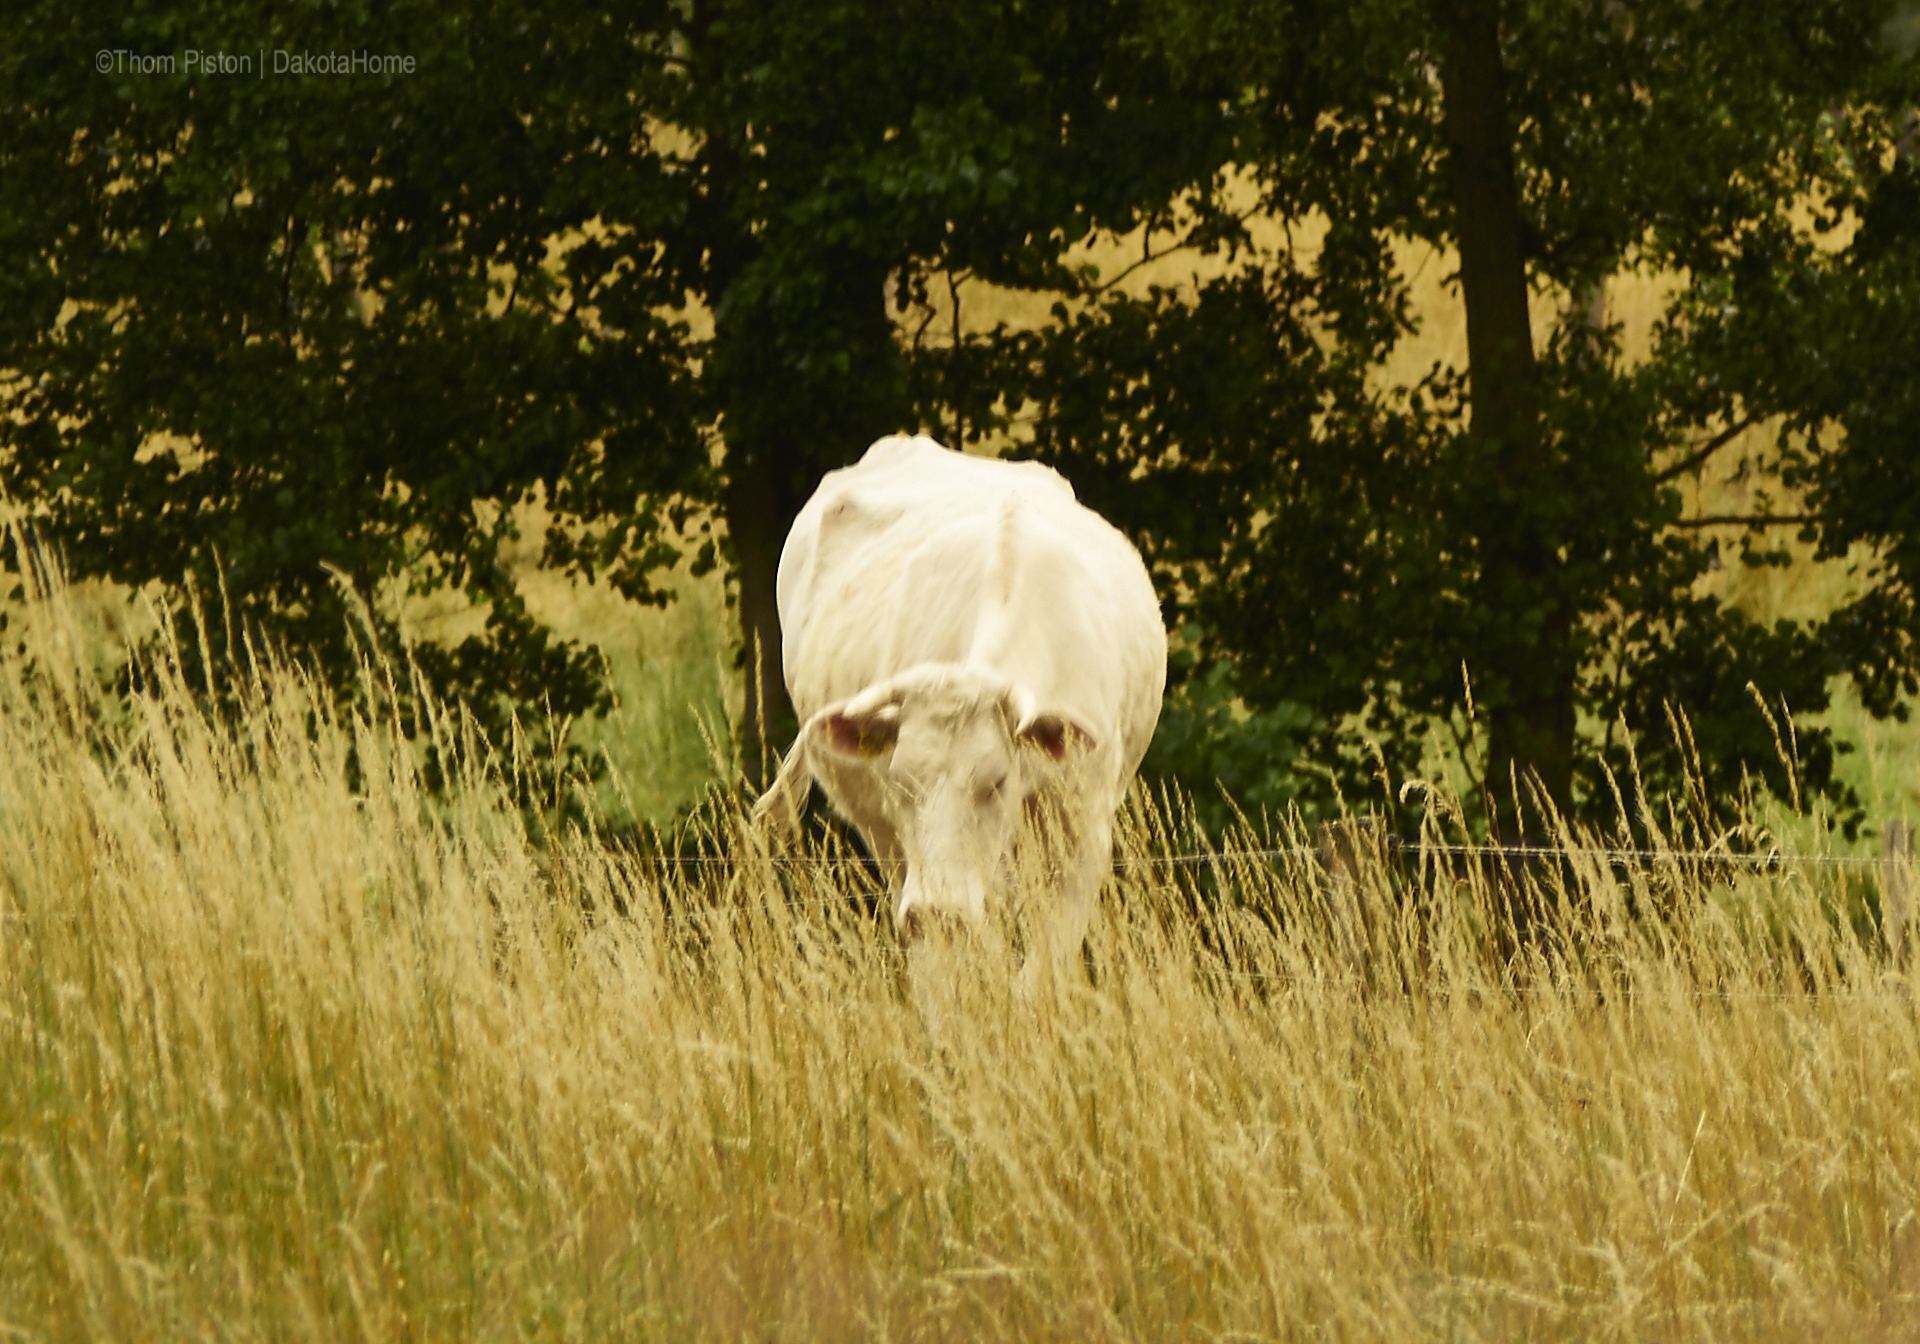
[(670, 733), (671, 669)]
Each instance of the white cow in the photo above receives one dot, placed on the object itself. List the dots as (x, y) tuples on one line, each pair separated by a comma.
[(967, 646)]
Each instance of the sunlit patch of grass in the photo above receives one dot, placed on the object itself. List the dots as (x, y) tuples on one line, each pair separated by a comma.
[(676, 698), (671, 670), (285, 1052)]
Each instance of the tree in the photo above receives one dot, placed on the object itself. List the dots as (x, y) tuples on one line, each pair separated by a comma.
[(302, 338), (255, 325), (1512, 529), (263, 331), (1863, 488), (836, 166)]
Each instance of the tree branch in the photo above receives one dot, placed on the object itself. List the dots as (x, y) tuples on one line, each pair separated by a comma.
[(919, 332), (1753, 520), (954, 372), (1148, 256), (296, 233), (1706, 450)]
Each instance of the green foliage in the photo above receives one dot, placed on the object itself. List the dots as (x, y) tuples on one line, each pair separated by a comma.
[(299, 338), (1229, 759), (839, 167), (1867, 489), (1356, 547), (304, 343)]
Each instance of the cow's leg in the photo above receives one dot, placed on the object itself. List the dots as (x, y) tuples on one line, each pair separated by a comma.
[(1087, 858), (889, 857)]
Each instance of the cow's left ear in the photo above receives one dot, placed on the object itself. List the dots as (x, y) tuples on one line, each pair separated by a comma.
[(865, 735), (1054, 735)]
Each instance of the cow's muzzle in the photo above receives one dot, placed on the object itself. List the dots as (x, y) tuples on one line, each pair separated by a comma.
[(921, 923)]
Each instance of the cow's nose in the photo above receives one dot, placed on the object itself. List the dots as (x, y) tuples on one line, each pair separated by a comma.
[(918, 923)]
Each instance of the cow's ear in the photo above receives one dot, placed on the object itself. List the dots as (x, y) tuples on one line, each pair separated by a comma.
[(864, 735), (1054, 735)]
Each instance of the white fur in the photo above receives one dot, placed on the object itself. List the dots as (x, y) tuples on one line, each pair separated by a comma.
[(949, 621)]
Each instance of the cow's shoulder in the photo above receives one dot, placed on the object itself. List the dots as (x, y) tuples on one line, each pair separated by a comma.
[(917, 466)]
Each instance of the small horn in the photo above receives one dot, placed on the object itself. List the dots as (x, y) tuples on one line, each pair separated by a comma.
[(1023, 708), (878, 697)]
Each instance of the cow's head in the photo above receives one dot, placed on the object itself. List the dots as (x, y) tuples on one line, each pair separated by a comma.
[(951, 755)]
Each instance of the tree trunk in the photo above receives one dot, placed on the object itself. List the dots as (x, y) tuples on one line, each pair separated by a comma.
[(760, 508), (1530, 704), (805, 388)]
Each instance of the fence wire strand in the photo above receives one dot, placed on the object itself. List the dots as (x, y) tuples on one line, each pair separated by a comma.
[(1396, 846)]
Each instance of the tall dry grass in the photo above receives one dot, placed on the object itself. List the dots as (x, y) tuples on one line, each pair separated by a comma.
[(289, 1049)]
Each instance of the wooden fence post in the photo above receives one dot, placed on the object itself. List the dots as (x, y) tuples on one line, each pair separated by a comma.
[(1350, 849), (1896, 885)]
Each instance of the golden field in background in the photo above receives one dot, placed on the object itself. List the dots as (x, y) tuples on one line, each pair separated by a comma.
[(285, 1056)]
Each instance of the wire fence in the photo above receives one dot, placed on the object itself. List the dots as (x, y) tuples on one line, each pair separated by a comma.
[(1563, 993), (1391, 845), (1339, 849)]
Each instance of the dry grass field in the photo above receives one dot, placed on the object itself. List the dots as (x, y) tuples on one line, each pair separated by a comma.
[(289, 1050)]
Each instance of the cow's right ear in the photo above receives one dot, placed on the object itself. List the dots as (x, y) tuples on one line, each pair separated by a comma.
[(864, 735), (1054, 735)]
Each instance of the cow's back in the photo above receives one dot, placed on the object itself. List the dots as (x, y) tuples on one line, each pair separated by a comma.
[(917, 554)]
